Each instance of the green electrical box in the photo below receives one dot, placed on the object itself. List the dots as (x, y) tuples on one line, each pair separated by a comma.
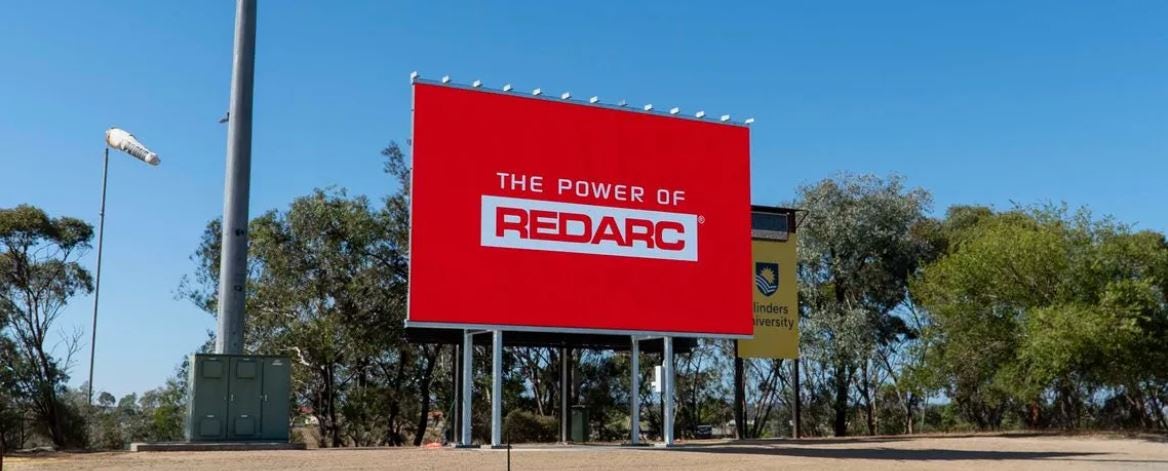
[(238, 398)]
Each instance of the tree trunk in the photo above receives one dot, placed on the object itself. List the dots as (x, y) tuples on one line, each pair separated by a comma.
[(331, 393), (424, 395), (908, 414), (842, 380), (326, 414), (392, 431), (866, 391), (45, 384), (1157, 407), (770, 386)]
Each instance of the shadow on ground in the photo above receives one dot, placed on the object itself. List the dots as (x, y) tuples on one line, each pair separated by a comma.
[(928, 454)]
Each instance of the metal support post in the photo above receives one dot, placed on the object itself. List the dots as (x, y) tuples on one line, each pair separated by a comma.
[(97, 283), (467, 378), (563, 395), (456, 382), (497, 389), (739, 395), (635, 394), (798, 402), (667, 390)]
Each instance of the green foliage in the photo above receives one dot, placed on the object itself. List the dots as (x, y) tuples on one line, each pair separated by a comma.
[(521, 426), (863, 239), (1036, 311), (39, 274), (155, 416)]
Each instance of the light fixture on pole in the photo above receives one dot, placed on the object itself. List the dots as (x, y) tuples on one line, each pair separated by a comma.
[(121, 140)]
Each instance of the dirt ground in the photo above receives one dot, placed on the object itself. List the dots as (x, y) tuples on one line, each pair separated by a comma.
[(998, 453)]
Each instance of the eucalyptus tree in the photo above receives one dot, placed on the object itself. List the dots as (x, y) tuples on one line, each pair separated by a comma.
[(857, 251), (39, 273), (1047, 316)]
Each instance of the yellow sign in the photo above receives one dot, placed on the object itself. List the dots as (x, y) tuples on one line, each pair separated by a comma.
[(776, 309)]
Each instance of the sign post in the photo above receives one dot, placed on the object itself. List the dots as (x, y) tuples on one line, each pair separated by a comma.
[(667, 391), (467, 385), (635, 393), (496, 388)]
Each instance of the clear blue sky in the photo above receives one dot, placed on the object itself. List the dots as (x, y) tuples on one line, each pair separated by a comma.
[(979, 102)]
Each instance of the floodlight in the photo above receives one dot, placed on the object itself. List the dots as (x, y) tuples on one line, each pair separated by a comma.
[(445, 79), (674, 110), (565, 95), (700, 114), (749, 121), (477, 83), (649, 107), (507, 87), (623, 103), (594, 99), (537, 92), (725, 118), (414, 76)]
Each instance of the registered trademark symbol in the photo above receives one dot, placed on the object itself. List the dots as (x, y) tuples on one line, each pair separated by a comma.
[(701, 219)]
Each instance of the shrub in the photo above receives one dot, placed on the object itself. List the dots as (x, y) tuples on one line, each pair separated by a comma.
[(522, 426)]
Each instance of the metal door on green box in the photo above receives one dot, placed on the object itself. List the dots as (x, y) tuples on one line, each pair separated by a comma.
[(277, 396), (245, 401), (208, 417)]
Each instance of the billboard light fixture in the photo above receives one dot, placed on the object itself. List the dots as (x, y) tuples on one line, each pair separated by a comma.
[(415, 76)]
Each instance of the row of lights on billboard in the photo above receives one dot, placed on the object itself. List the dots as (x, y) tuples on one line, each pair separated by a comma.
[(593, 100)]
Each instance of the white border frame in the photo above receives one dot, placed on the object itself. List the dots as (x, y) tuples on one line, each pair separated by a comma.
[(570, 330)]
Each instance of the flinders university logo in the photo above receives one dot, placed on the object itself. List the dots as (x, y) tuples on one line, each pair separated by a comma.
[(766, 277)]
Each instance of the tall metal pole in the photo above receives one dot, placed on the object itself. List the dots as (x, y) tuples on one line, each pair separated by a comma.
[(97, 280), (233, 259)]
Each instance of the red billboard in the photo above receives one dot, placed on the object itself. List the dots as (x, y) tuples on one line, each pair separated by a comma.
[(532, 213)]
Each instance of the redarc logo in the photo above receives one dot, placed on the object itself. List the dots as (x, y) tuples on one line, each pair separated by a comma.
[(587, 229)]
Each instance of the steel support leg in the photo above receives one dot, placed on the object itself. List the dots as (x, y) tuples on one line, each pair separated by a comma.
[(467, 390), (635, 394), (667, 390), (497, 388)]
